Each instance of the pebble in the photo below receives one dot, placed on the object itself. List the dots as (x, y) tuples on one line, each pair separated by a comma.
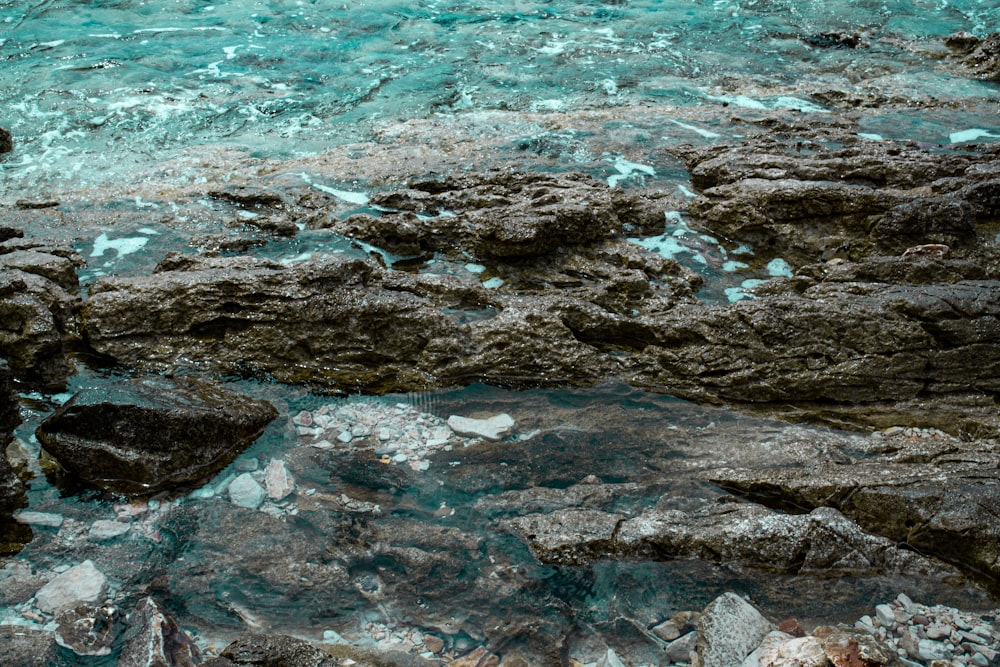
[(39, 519), (246, 492), (493, 428), (279, 482), (105, 530)]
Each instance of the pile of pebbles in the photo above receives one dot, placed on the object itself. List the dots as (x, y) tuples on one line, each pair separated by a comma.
[(935, 635)]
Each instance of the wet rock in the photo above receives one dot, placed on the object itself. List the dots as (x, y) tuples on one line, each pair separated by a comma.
[(797, 652), (12, 491), (81, 583), (246, 492), (154, 639), (983, 57), (87, 630), (279, 482), (728, 630), (263, 650), (102, 530), (483, 658), (10, 415), (492, 428), (569, 537), (6, 141), (22, 646), (146, 435), (936, 501), (60, 270)]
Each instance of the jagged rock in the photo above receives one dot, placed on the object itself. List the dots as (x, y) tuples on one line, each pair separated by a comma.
[(146, 435), (934, 499), (264, 650), (60, 270), (728, 630), (278, 481), (87, 630), (154, 639), (81, 583), (849, 648), (983, 58), (568, 537), (22, 646), (6, 141)]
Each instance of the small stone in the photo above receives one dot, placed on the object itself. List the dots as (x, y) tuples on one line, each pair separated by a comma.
[(494, 428), (938, 631), (345, 437), (103, 529), (246, 464), (666, 631), (433, 644), (279, 482), (792, 627), (304, 418), (979, 660), (46, 519), (928, 650), (333, 637), (885, 615), (680, 649), (610, 659), (246, 492), (81, 583), (905, 602), (728, 630), (477, 658), (87, 630)]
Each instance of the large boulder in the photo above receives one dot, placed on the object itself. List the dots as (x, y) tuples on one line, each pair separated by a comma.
[(10, 415), (12, 492), (147, 435), (6, 141)]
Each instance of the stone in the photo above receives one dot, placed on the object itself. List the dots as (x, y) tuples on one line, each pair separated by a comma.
[(609, 659), (246, 492), (103, 529), (82, 583), (153, 638), (152, 434), (480, 657), (846, 648), (680, 649), (259, 650), (22, 646), (797, 652), (10, 415), (928, 650), (60, 270), (569, 537), (492, 428), (728, 630), (46, 519), (6, 141), (279, 482), (768, 647), (87, 630), (885, 616)]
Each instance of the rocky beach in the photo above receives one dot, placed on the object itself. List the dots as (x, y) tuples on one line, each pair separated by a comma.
[(630, 383)]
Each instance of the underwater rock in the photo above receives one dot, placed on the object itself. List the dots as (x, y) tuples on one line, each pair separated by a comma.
[(729, 629), (932, 497), (82, 583), (260, 650), (151, 434), (278, 481), (492, 428), (87, 630), (246, 492), (154, 639), (6, 141)]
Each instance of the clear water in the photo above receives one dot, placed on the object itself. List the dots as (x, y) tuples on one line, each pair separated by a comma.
[(100, 93)]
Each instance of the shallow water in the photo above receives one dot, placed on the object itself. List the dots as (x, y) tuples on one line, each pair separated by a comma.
[(182, 92)]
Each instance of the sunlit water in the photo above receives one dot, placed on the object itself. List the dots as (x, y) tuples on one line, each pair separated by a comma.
[(103, 91)]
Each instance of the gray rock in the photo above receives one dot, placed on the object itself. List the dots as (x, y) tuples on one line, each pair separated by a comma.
[(492, 428), (680, 649), (154, 639), (103, 529), (262, 650), (246, 492), (728, 630), (146, 435), (87, 630), (81, 583), (30, 647), (46, 519), (928, 650), (60, 270)]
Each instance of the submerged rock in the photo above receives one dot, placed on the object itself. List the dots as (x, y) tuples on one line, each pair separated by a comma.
[(81, 583), (728, 630), (148, 435), (154, 639), (87, 630)]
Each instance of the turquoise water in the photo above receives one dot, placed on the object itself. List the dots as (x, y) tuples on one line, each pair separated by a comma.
[(94, 90)]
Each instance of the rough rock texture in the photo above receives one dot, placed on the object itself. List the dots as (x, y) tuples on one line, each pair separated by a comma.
[(154, 639), (823, 541), (28, 647), (264, 650), (10, 416), (6, 141), (932, 496), (37, 310), (728, 630), (12, 492), (147, 435), (82, 583), (980, 57), (87, 630)]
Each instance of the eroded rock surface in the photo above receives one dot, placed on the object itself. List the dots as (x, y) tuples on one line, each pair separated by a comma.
[(148, 435)]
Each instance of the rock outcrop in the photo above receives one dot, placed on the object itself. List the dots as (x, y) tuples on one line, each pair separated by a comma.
[(147, 435)]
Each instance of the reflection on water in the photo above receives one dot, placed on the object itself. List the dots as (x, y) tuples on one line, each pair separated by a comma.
[(390, 554)]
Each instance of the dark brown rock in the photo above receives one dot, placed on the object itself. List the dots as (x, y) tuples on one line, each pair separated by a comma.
[(983, 59), (147, 435), (154, 639), (87, 630), (260, 650), (27, 647), (6, 141)]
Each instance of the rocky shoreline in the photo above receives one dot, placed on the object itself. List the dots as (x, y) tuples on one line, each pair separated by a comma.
[(863, 294)]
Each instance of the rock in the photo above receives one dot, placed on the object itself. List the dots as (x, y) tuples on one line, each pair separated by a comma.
[(246, 492), (264, 650), (154, 639), (493, 428), (22, 646), (87, 630), (60, 270), (279, 482), (82, 583), (846, 648), (983, 59), (6, 141), (47, 519), (797, 652), (147, 435), (480, 657), (680, 649), (768, 647), (10, 415), (102, 530), (728, 630), (569, 537)]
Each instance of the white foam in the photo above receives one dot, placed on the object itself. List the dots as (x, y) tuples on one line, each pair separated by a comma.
[(123, 246), (359, 198), (686, 191), (626, 170), (708, 134), (780, 102), (970, 135), (871, 137), (779, 268)]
